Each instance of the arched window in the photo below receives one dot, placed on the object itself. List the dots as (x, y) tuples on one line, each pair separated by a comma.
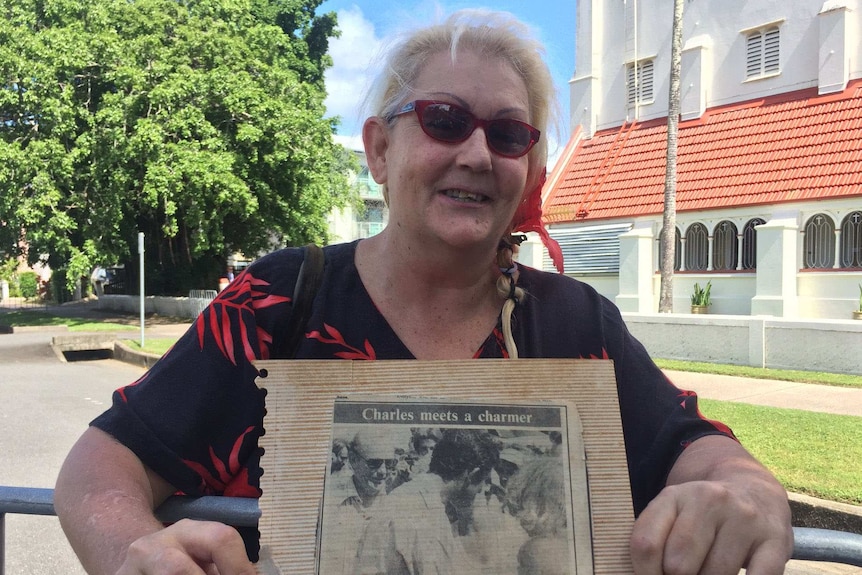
[(677, 250), (696, 248), (749, 243), (851, 240), (725, 248), (819, 242)]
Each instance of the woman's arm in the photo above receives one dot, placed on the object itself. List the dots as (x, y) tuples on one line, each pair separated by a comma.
[(720, 511), (105, 498)]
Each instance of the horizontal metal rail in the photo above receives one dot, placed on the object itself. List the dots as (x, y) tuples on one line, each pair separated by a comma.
[(809, 544)]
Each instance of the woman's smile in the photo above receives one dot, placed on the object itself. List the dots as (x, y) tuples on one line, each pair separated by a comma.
[(466, 197)]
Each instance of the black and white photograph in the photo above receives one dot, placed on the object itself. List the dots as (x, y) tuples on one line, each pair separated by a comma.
[(428, 486)]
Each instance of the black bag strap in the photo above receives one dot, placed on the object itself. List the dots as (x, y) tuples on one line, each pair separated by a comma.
[(307, 283)]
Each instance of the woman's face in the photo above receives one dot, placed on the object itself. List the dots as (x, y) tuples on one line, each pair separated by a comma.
[(462, 194)]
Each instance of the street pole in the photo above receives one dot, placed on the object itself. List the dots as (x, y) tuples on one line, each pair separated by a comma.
[(141, 275)]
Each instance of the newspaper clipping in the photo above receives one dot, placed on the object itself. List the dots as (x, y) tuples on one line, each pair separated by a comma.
[(430, 486)]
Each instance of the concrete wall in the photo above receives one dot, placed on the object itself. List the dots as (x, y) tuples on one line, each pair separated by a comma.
[(178, 307), (833, 346), (816, 345)]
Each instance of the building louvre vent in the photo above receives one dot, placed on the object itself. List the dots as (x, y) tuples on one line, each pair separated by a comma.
[(753, 56), (762, 53), (592, 250), (640, 89), (770, 60)]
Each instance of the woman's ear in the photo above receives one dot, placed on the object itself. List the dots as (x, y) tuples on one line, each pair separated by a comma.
[(375, 138)]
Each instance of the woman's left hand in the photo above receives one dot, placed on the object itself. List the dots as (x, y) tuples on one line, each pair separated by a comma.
[(721, 511)]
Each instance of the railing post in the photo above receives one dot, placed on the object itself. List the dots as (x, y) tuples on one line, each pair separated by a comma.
[(2, 543)]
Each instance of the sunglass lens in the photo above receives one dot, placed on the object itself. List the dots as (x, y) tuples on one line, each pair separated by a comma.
[(446, 123), (508, 138)]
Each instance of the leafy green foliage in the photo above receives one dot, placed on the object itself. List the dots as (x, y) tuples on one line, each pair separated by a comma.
[(199, 123), (701, 296), (28, 283)]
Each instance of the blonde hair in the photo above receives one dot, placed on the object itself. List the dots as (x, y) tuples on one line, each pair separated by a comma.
[(536, 495), (492, 34)]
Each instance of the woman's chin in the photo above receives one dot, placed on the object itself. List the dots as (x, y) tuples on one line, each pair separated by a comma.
[(469, 238)]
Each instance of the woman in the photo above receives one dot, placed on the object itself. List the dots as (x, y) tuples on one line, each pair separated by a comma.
[(456, 142)]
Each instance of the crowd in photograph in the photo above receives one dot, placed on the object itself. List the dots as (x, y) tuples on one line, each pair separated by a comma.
[(431, 500)]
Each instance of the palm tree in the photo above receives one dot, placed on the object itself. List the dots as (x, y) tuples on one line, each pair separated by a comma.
[(668, 245)]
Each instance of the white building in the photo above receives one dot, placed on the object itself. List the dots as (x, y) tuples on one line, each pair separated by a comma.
[(769, 172), (360, 221)]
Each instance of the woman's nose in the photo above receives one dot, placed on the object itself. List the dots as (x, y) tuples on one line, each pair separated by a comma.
[(475, 152)]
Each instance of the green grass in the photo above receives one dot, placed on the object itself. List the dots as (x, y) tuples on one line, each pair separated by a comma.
[(798, 376), (816, 454), (40, 318), (156, 346)]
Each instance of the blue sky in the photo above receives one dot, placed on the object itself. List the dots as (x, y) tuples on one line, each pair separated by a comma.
[(364, 25)]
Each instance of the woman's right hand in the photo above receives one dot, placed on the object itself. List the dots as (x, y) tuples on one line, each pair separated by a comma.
[(105, 498), (189, 548)]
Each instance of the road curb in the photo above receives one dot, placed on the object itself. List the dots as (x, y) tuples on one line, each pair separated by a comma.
[(809, 511), (122, 352), (7, 329)]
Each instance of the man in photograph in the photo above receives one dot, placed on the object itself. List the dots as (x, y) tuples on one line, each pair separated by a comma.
[(413, 529)]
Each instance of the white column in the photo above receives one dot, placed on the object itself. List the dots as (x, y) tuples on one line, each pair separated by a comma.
[(682, 254), (637, 269), (776, 292), (837, 263), (709, 253)]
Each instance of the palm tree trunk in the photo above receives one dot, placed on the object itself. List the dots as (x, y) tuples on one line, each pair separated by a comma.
[(668, 245)]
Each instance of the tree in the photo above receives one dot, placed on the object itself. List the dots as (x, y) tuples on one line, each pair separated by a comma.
[(668, 228), (200, 123)]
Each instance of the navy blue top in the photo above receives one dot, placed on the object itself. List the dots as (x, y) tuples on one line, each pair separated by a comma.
[(195, 417)]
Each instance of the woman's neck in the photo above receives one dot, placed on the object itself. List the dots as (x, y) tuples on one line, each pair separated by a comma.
[(440, 308), (420, 271)]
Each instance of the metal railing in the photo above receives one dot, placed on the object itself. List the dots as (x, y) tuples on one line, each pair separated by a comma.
[(809, 544), (200, 299)]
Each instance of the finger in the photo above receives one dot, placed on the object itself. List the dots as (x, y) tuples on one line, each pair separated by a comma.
[(211, 543), (769, 559), (189, 548), (147, 556), (725, 552), (649, 534)]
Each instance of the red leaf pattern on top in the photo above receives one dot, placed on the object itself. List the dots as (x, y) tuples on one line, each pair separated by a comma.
[(227, 478), (236, 305), (334, 337), (594, 356), (501, 345), (122, 390)]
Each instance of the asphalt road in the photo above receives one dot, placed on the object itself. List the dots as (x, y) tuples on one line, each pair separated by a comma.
[(45, 404)]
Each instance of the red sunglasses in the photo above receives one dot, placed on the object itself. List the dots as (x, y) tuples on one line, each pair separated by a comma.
[(450, 123)]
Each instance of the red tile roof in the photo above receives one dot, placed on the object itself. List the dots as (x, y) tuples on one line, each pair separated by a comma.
[(790, 147)]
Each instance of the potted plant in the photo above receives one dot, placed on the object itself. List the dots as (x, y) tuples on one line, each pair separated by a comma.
[(857, 313), (700, 299)]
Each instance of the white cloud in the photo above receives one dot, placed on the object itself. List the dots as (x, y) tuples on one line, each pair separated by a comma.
[(348, 80), (349, 142)]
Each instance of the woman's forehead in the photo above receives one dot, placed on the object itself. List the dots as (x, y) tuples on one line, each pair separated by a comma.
[(472, 78)]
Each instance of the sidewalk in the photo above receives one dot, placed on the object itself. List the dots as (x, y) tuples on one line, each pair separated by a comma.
[(772, 393), (766, 392)]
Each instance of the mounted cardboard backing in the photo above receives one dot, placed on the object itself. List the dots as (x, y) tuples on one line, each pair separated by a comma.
[(297, 442)]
